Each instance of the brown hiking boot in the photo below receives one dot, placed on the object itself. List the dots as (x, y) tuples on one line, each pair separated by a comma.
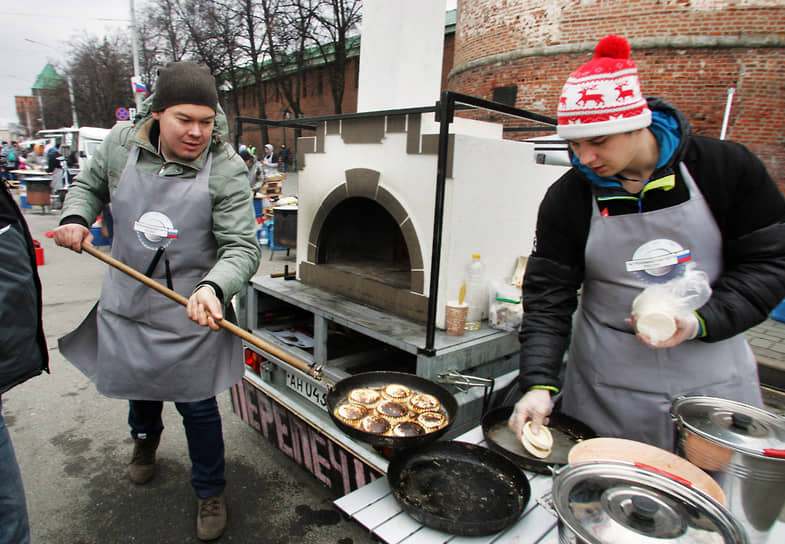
[(211, 517), (142, 465)]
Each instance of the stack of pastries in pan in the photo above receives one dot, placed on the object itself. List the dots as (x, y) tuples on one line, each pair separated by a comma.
[(392, 410)]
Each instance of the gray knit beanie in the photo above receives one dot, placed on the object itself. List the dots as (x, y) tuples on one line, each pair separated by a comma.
[(184, 82)]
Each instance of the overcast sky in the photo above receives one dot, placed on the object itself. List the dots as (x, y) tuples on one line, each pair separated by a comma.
[(37, 32)]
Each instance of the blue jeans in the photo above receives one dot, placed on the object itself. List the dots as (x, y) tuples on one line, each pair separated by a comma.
[(202, 422), (14, 526)]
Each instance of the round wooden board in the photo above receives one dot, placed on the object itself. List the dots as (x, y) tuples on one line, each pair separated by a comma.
[(630, 451)]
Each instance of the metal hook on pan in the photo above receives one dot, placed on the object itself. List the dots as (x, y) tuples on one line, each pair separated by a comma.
[(464, 382)]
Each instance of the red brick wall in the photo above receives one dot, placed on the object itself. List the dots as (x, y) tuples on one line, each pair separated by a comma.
[(315, 100), (688, 53)]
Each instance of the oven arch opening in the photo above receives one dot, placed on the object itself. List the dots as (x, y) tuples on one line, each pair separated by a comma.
[(360, 237)]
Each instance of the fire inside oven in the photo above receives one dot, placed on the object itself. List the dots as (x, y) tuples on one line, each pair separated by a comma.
[(361, 238)]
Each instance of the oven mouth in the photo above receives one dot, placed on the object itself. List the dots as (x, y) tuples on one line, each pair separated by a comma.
[(360, 238), (363, 245)]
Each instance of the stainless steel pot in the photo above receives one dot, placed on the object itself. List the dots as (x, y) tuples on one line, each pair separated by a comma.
[(604, 502), (743, 448)]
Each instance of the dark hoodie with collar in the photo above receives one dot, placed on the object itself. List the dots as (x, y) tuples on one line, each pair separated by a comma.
[(23, 351), (747, 207)]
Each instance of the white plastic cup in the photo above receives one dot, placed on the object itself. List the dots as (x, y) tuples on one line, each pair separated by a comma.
[(657, 311)]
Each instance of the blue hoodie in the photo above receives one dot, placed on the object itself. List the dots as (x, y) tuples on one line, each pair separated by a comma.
[(664, 126)]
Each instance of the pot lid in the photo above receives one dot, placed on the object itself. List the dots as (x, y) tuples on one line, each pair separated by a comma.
[(610, 502), (735, 425)]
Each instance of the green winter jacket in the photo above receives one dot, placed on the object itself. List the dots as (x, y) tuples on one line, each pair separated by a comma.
[(233, 220)]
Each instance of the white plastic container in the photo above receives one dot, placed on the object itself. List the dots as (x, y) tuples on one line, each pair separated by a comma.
[(476, 293), (657, 311)]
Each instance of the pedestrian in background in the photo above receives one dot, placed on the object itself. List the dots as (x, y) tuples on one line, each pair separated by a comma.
[(254, 170), (56, 165), (23, 352), (35, 159), (283, 157), (183, 213), (269, 166)]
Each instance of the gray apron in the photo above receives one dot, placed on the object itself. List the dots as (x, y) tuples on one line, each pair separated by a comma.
[(136, 343), (613, 382)]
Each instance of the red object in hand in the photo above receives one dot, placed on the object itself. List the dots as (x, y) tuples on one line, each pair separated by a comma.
[(50, 234)]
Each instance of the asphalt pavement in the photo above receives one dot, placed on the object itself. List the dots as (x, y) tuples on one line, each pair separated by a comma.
[(73, 446)]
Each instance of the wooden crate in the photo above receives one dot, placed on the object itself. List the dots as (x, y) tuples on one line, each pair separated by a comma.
[(272, 190)]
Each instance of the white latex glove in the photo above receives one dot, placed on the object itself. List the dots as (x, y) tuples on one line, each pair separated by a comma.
[(204, 299), (536, 405), (686, 329)]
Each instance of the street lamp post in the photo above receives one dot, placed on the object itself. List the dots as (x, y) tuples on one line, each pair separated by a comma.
[(135, 55)]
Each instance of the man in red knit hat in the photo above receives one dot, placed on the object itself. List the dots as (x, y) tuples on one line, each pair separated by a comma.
[(646, 204)]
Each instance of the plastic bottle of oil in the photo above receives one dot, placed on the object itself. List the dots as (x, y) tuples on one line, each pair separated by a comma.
[(476, 293)]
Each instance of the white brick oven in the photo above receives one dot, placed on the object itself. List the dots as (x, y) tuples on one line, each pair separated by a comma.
[(367, 199)]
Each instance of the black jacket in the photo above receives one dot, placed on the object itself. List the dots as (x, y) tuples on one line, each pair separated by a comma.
[(746, 204), (23, 352)]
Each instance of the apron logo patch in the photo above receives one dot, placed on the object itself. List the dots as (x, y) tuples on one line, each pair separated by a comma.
[(155, 230), (659, 261)]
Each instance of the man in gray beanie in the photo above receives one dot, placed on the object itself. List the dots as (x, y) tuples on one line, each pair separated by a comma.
[(183, 213)]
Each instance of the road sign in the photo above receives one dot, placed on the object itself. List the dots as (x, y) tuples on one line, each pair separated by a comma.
[(122, 114)]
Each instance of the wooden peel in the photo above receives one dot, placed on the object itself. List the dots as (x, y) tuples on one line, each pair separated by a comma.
[(231, 327)]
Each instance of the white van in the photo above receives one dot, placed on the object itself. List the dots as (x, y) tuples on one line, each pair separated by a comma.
[(82, 140), (89, 140)]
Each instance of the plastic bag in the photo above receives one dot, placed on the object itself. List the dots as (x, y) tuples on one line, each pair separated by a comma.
[(505, 306), (657, 306)]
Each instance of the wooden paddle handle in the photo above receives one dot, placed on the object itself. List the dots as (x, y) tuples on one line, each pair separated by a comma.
[(314, 370)]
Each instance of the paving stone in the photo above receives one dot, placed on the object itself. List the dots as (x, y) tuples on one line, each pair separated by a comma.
[(760, 343)]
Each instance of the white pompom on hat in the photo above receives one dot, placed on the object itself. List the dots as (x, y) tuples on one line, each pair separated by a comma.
[(604, 95)]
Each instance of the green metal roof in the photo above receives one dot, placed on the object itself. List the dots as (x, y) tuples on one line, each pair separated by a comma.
[(48, 79)]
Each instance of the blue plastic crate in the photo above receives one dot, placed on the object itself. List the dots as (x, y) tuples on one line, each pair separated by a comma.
[(98, 237), (263, 235)]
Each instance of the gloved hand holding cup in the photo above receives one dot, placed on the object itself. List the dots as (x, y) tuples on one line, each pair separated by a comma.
[(657, 307)]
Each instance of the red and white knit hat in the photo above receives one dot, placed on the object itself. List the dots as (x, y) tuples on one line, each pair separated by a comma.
[(603, 96)]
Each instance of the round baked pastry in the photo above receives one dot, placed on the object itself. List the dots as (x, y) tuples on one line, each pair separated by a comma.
[(432, 420), (364, 396), (392, 410), (350, 413), (423, 402), (408, 428), (540, 444), (375, 424), (396, 391)]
